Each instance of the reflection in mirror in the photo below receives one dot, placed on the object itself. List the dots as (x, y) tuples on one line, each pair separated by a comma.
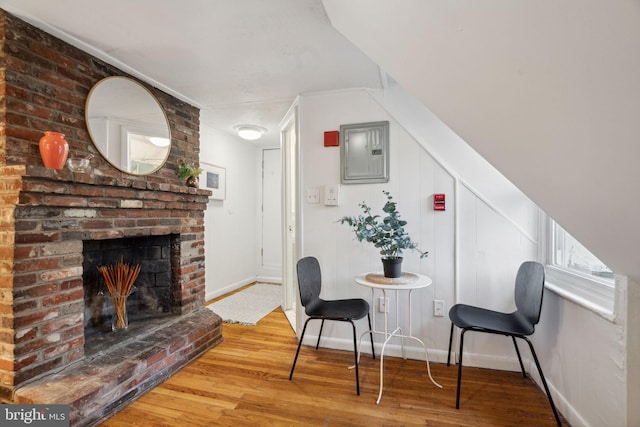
[(128, 126)]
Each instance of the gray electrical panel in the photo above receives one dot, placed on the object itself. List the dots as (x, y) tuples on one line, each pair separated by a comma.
[(364, 153)]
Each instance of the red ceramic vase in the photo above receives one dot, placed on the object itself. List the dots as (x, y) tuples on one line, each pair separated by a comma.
[(54, 150)]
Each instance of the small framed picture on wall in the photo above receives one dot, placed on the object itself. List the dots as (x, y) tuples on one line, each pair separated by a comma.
[(214, 178)]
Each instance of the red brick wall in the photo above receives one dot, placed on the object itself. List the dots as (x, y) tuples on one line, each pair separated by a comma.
[(46, 214)]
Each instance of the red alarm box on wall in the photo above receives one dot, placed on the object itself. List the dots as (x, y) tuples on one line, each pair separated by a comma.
[(438, 202), (331, 138)]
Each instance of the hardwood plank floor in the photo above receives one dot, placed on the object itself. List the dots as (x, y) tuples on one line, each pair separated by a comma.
[(244, 381)]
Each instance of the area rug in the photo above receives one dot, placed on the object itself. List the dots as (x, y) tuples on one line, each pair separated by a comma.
[(247, 307)]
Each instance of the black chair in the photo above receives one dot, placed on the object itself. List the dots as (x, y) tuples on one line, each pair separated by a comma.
[(345, 310), (529, 289)]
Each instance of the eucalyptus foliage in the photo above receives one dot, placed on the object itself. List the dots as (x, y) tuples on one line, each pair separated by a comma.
[(387, 235)]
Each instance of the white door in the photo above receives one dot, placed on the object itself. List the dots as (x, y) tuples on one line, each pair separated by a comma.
[(290, 217), (271, 254)]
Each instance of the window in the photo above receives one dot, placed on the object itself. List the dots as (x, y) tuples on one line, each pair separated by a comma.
[(570, 254), (574, 272)]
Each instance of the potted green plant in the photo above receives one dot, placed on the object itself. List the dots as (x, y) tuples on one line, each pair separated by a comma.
[(387, 234), (190, 173)]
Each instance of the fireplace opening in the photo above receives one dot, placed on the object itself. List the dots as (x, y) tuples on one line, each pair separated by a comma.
[(152, 295)]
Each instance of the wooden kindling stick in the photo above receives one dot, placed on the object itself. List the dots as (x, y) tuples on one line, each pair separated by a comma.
[(119, 279)]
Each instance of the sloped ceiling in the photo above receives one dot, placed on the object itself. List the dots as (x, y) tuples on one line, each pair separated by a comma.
[(240, 61), (547, 91)]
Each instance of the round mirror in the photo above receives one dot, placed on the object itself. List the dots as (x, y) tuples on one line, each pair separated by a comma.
[(128, 126)]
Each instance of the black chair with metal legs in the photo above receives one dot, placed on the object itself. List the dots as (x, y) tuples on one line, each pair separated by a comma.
[(345, 310), (529, 289)]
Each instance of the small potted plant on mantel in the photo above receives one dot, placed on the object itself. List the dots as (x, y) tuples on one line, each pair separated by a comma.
[(387, 235), (190, 173)]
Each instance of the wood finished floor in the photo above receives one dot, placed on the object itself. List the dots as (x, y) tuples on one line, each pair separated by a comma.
[(244, 381)]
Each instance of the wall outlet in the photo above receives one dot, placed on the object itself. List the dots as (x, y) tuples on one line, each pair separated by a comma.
[(332, 195), (438, 308), (383, 304)]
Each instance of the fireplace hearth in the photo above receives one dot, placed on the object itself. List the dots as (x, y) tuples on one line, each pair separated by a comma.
[(121, 366)]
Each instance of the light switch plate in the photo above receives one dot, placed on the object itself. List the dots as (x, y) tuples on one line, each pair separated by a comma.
[(312, 195)]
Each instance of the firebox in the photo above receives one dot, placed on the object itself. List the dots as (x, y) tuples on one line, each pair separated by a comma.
[(153, 292)]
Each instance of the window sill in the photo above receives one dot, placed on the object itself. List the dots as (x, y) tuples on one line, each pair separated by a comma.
[(590, 294)]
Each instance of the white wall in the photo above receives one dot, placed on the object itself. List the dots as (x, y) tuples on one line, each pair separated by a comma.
[(340, 255), (458, 157), (632, 363), (490, 247), (491, 250), (583, 356), (231, 226)]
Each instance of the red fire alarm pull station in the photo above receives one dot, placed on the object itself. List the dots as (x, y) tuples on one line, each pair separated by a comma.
[(438, 202), (331, 138)]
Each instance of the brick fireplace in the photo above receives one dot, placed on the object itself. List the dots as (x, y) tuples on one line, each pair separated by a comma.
[(48, 217)]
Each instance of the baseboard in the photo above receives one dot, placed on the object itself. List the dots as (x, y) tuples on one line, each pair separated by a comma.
[(412, 351), (500, 363), (229, 288), (416, 352), (268, 279)]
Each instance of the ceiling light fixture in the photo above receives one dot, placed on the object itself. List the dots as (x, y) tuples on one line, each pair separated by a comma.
[(250, 132), (159, 142)]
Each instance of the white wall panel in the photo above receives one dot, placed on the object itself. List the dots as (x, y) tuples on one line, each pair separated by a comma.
[(231, 233)]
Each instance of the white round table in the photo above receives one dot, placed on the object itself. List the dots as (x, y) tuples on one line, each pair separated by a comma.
[(406, 282)]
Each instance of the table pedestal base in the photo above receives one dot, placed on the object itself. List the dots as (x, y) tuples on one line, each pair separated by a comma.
[(408, 282), (396, 333)]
